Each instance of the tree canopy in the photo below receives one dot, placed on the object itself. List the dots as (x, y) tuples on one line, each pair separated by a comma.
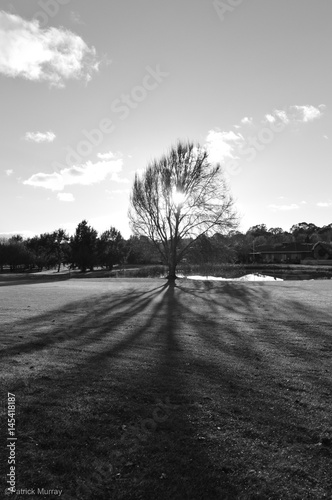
[(84, 246), (181, 196)]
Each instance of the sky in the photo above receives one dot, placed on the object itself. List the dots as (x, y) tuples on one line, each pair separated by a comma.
[(91, 92)]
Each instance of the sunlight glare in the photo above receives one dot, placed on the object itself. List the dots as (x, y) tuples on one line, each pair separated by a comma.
[(178, 197)]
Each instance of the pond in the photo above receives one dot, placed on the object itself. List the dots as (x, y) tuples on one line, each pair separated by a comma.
[(293, 273)]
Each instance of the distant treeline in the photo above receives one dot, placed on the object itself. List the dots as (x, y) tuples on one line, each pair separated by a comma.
[(87, 250)]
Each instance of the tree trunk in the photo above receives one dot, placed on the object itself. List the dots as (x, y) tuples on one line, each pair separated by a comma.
[(171, 270)]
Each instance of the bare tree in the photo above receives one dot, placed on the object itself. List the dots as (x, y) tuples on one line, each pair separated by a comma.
[(180, 197)]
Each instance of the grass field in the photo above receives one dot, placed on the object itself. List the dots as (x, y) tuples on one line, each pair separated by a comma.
[(132, 389)]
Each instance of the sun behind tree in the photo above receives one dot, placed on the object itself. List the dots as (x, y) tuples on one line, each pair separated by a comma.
[(178, 198)]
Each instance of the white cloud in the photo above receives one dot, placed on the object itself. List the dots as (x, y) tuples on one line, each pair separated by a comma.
[(293, 206), (324, 204), (52, 181), (222, 145), (295, 114), (9, 171), (106, 156), (247, 121), (53, 55), (282, 115), (40, 136), (307, 113), (65, 197), (325, 136), (85, 175), (270, 118)]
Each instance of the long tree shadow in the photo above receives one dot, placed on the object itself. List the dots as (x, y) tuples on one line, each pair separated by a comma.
[(72, 323), (116, 343), (139, 383), (31, 280)]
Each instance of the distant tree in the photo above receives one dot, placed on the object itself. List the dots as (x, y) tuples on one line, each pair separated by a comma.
[(48, 246), (141, 250), (84, 247), (301, 238), (287, 237), (314, 237), (241, 245), (43, 250), (299, 228), (275, 235), (60, 238), (224, 250), (17, 238), (3, 252), (303, 231), (259, 241), (180, 196), (16, 254), (37, 252), (214, 250), (110, 248), (202, 251), (325, 233), (258, 230), (276, 231)]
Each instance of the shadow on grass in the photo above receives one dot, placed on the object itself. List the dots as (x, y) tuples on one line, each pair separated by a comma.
[(171, 392), (27, 279)]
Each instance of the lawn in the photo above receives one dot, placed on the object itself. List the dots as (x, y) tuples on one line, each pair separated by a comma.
[(132, 389)]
